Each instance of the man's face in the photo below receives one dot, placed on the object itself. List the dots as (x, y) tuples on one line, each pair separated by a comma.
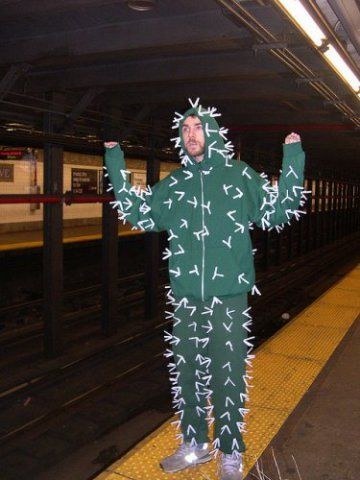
[(193, 137)]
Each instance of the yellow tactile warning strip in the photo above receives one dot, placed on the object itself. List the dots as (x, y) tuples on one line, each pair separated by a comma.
[(20, 246), (285, 367)]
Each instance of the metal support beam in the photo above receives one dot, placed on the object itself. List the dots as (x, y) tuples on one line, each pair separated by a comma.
[(301, 81), (265, 249), (11, 76), (316, 216), (113, 39), (308, 218), (300, 241), (110, 253), (152, 245), (194, 68), (80, 107), (109, 269), (53, 242), (269, 46), (143, 113)]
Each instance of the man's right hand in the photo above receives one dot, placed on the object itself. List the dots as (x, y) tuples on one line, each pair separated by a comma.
[(110, 144)]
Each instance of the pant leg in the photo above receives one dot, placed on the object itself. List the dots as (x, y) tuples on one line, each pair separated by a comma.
[(189, 369), (228, 348)]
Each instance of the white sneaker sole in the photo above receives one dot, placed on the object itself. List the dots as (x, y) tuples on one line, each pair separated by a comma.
[(190, 465)]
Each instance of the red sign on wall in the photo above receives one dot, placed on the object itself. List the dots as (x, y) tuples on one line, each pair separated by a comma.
[(14, 153)]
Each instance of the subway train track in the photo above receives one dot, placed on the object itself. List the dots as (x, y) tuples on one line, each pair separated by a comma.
[(83, 378), (22, 279), (126, 348), (109, 379), (270, 282), (85, 417), (84, 301)]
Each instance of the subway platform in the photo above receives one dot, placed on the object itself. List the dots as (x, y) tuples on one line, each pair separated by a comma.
[(304, 407)]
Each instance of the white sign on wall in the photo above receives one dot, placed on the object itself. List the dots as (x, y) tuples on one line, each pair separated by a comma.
[(139, 180)]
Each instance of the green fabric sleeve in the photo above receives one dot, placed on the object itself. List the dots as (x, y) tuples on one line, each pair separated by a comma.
[(141, 208), (274, 206)]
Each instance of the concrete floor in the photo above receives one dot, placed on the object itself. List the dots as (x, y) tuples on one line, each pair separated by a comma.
[(321, 439)]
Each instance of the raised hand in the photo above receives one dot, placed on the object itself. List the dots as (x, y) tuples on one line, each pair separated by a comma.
[(292, 138), (110, 144)]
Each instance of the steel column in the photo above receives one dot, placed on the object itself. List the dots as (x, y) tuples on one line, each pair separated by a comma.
[(316, 216), (265, 249), (300, 231), (110, 252), (289, 243), (308, 186), (152, 245), (321, 213), (333, 206), (53, 242), (278, 248), (110, 259)]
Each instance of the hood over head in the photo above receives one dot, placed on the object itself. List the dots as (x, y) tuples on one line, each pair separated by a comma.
[(217, 149)]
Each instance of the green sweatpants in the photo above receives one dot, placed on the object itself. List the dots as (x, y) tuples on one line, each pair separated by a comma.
[(210, 349)]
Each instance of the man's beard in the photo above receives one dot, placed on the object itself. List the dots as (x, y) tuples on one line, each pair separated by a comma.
[(198, 152)]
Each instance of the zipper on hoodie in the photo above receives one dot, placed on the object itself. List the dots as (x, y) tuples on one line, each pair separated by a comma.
[(202, 238)]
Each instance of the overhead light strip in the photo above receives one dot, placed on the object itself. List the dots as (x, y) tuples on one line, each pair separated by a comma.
[(342, 68), (304, 20), (287, 57), (306, 23)]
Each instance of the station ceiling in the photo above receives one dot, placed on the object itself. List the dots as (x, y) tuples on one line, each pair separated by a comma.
[(101, 64)]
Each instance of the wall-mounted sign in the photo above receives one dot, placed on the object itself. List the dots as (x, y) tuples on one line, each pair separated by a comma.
[(84, 180), (139, 180), (6, 172), (16, 153)]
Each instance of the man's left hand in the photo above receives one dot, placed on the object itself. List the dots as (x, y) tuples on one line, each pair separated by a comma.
[(292, 138)]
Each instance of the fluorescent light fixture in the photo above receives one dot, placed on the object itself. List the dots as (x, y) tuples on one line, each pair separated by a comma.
[(304, 20), (337, 62)]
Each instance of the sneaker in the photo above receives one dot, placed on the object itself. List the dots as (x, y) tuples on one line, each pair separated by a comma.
[(230, 467), (186, 456)]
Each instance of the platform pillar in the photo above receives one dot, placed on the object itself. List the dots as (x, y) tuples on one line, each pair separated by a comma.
[(152, 245), (308, 186), (356, 207), (110, 260), (53, 239), (332, 211), (265, 249), (336, 212), (110, 248), (316, 216)]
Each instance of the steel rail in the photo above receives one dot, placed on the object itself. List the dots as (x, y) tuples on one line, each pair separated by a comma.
[(75, 400), (53, 373), (68, 198), (80, 292), (34, 384)]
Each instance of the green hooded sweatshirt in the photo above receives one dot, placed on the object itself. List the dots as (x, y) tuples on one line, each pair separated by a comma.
[(207, 209)]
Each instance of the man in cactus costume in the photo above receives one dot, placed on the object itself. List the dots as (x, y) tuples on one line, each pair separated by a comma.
[(207, 207)]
